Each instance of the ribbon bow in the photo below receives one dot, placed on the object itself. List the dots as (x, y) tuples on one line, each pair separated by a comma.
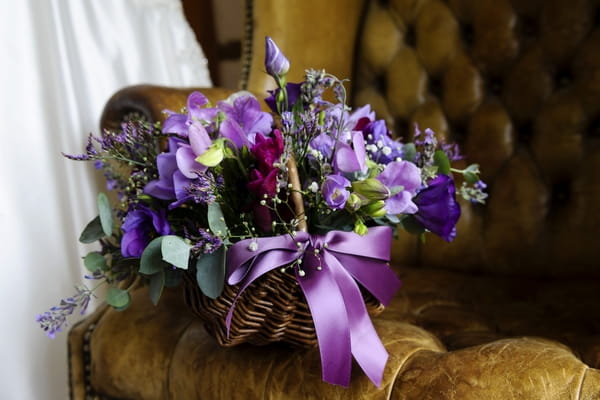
[(329, 267)]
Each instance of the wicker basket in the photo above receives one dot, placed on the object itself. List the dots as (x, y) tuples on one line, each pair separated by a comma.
[(272, 309)]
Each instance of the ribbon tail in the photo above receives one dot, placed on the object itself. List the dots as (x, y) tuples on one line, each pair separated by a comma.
[(328, 311), (367, 348)]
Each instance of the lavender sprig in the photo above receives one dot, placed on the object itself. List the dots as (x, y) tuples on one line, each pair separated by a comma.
[(55, 319)]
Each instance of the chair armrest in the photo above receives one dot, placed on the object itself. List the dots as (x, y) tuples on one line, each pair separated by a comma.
[(149, 101)]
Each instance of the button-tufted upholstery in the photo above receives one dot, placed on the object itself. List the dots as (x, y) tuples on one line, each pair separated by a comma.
[(511, 308)]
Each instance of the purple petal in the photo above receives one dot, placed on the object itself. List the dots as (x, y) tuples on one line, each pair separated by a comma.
[(176, 123), (186, 162), (199, 139), (400, 203)]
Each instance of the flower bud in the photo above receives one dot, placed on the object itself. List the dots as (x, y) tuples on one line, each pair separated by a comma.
[(276, 63), (354, 202), (371, 188), (360, 228), (375, 209)]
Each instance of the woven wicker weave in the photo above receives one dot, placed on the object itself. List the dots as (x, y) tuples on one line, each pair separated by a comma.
[(272, 309)]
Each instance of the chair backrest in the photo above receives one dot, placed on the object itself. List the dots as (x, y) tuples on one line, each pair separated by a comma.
[(515, 83)]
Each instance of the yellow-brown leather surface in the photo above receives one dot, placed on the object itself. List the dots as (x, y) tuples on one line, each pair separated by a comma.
[(511, 309)]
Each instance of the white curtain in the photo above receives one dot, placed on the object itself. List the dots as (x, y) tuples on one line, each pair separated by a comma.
[(60, 61)]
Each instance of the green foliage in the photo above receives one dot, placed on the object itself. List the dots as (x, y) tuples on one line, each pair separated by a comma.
[(151, 261), (210, 272), (118, 298), (92, 232), (105, 213), (216, 220), (157, 284), (175, 251), (442, 162), (94, 261)]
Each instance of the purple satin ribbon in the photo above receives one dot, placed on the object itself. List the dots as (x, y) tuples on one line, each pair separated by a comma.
[(332, 264)]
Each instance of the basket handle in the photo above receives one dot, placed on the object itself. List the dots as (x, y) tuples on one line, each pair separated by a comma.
[(296, 194)]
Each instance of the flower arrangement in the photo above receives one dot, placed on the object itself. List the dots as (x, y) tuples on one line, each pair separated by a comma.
[(221, 189)]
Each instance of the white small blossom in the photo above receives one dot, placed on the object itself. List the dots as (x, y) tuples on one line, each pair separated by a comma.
[(313, 187)]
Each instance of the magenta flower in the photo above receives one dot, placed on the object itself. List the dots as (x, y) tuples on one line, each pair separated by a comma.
[(403, 179), (139, 227), (438, 209), (334, 191)]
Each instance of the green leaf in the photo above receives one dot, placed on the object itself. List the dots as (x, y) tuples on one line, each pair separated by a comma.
[(411, 225), (118, 298), (94, 261), (471, 173), (210, 273), (92, 231), (173, 277), (175, 251), (157, 284), (151, 261), (216, 220), (441, 160), (409, 152), (105, 211)]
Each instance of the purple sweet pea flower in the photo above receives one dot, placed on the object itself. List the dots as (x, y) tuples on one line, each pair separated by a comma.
[(351, 158), (196, 111), (405, 176), (162, 188), (244, 119), (140, 226), (438, 209), (323, 143), (335, 192), (276, 63), (186, 153)]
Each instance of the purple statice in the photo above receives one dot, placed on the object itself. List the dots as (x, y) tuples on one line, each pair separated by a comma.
[(55, 319), (452, 151), (335, 192), (140, 226), (380, 145), (315, 83), (200, 190), (205, 242), (438, 209), (426, 145)]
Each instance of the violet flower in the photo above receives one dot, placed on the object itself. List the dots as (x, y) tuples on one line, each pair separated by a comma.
[(293, 93), (334, 191), (163, 187), (438, 209), (403, 179), (380, 145), (353, 158), (139, 227), (196, 111), (244, 120), (55, 319), (276, 63)]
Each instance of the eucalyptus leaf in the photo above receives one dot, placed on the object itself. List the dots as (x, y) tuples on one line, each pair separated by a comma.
[(441, 160), (173, 277), (210, 273), (175, 251), (216, 220), (94, 261), (151, 260), (106, 218), (117, 298), (92, 231), (157, 284), (409, 152)]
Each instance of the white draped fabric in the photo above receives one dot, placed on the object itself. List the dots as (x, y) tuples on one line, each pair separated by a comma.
[(60, 61)]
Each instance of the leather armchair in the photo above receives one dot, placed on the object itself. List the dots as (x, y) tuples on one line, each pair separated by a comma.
[(511, 308)]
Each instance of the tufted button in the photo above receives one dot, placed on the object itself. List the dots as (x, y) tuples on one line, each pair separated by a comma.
[(495, 85), (410, 36), (563, 78)]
